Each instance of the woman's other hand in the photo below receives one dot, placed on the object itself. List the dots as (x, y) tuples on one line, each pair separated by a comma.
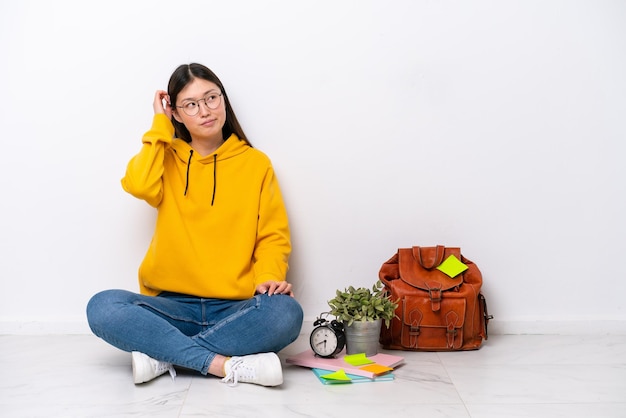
[(275, 288)]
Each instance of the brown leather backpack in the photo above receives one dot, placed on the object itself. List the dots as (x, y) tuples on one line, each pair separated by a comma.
[(436, 312)]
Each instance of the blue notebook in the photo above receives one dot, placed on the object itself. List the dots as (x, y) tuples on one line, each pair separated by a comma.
[(353, 378)]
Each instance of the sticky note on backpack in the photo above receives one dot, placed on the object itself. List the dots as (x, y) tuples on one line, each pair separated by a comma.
[(452, 266)]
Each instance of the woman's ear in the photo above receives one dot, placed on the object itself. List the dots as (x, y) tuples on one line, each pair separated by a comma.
[(175, 114)]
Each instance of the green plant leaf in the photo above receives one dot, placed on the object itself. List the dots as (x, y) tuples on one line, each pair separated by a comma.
[(363, 304)]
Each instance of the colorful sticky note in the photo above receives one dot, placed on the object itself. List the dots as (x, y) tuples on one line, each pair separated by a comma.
[(339, 375), (452, 266), (357, 359), (386, 377), (376, 368)]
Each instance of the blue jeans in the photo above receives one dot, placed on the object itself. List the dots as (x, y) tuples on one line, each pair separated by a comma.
[(188, 331)]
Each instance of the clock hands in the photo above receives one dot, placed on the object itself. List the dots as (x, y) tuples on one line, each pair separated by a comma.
[(324, 342)]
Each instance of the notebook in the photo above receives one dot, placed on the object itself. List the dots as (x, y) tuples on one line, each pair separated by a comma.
[(353, 378), (309, 359)]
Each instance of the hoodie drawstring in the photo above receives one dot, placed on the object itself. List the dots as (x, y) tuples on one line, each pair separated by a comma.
[(214, 175), (187, 179)]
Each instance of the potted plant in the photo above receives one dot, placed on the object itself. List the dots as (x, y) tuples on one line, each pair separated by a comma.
[(362, 311)]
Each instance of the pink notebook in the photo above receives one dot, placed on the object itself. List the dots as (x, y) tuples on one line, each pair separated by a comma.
[(309, 359)]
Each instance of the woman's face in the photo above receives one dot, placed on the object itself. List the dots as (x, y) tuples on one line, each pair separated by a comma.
[(200, 96)]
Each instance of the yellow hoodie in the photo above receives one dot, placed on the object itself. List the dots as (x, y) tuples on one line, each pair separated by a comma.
[(221, 224)]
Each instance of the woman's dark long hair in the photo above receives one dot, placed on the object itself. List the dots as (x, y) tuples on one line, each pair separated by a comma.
[(184, 75)]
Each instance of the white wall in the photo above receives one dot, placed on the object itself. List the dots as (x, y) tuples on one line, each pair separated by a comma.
[(497, 126)]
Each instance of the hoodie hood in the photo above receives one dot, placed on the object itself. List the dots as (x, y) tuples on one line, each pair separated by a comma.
[(231, 147)]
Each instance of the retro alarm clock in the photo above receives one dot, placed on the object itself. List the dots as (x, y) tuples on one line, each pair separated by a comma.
[(327, 338)]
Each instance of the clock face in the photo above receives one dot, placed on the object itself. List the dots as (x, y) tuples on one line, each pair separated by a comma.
[(324, 341)]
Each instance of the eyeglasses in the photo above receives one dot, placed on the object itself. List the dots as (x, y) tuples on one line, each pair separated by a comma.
[(211, 101)]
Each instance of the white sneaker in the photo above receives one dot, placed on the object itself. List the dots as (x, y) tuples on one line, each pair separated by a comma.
[(261, 369), (146, 368)]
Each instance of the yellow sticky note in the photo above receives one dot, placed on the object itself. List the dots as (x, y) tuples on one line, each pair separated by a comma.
[(452, 266), (357, 359), (338, 375), (376, 368)]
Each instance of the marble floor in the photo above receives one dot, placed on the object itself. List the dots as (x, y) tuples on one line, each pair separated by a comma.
[(511, 376)]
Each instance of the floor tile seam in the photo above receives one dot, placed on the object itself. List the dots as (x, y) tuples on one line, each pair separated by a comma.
[(456, 390), (373, 403), (544, 403), (553, 365), (182, 404)]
